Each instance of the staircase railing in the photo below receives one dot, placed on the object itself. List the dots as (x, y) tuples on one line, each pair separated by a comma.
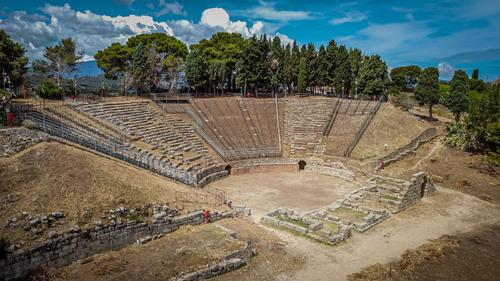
[(329, 126), (363, 128)]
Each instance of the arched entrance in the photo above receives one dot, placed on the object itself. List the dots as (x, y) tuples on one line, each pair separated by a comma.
[(302, 165), (228, 169)]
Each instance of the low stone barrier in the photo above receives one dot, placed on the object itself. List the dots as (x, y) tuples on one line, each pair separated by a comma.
[(316, 228), (228, 263), (79, 243)]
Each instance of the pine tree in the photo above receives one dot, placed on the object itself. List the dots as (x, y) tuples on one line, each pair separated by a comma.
[(195, 69), (287, 72), (277, 63), (428, 88), (475, 74), (321, 68), (294, 65), (342, 73), (331, 53), (458, 101), (302, 79), (373, 78), (140, 68), (355, 58), (310, 55)]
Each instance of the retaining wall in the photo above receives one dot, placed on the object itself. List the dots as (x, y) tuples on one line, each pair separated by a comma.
[(78, 244)]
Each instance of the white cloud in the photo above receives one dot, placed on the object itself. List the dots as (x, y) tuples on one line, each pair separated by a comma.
[(446, 70), (268, 11), (379, 38), (215, 17), (353, 16), (170, 8), (93, 32)]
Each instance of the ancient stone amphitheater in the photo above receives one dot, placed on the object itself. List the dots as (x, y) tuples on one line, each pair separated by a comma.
[(202, 140), (199, 141)]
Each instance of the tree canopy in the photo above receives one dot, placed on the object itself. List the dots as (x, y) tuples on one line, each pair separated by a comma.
[(12, 60), (427, 90), (457, 100), (406, 77), (60, 60)]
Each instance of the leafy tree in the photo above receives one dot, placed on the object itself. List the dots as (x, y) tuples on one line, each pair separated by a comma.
[(217, 71), (12, 60), (287, 71), (427, 90), (172, 65), (477, 85), (310, 55), (247, 66), (302, 79), (342, 73), (331, 53), (140, 68), (373, 77), (355, 58), (475, 74), (406, 77), (195, 69), (277, 64), (294, 65), (321, 68), (457, 101), (163, 44), (60, 60), (222, 46), (50, 90), (114, 60)]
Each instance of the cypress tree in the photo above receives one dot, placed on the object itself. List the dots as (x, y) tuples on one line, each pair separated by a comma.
[(458, 101), (428, 88)]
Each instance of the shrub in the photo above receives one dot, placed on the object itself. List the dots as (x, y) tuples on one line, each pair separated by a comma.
[(464, 136), (28, 124), (49, 90)]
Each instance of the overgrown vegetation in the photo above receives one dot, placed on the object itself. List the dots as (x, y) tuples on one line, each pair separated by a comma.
[(50, 90), (479, 129)]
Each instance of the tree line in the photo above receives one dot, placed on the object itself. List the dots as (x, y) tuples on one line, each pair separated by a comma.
[(229, 62)]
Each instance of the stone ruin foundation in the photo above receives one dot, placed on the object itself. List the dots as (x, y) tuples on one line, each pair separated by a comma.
[(359, 210)]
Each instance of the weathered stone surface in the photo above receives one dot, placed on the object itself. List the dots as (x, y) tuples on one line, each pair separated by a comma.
[(14, 140)]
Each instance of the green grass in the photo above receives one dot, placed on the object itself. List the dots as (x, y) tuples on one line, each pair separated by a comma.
[(347, 213), (299, 234), (331, 226), (390, 197), (292, 221)]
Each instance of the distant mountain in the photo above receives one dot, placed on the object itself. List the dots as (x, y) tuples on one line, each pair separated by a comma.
[(88, 68)]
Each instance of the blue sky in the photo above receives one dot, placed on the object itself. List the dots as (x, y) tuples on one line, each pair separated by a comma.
[(446, 33)]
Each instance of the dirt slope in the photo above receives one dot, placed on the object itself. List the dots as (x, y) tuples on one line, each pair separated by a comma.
[(52, 177), (390, 126)]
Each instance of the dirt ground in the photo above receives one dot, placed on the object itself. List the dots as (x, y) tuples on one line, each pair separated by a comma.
[(265, 192), (447, 212), (452, 168), (474, 255), (188, 249), (52, 177)]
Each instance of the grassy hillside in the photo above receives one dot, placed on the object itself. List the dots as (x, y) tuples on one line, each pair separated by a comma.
[(390, 126)]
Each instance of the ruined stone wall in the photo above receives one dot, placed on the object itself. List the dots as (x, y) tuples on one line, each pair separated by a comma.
[(78, 244), (14, 140), (228, 263)]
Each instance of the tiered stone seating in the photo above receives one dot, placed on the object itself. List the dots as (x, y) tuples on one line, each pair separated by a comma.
[(350, 117), (242, 128), (172, 140), (305, 121)]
